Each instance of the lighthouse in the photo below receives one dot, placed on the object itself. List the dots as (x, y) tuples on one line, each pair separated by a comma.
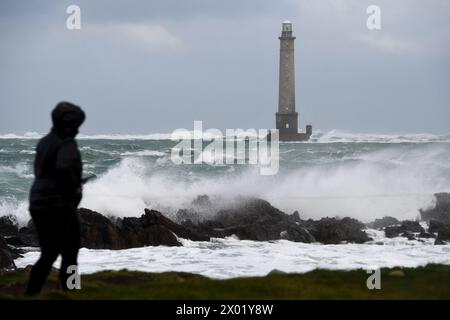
[(287, 117)]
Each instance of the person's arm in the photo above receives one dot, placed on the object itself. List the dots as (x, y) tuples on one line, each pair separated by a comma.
[(68, 168)]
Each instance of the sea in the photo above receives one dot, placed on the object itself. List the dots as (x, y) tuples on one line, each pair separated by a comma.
[(335, 174)]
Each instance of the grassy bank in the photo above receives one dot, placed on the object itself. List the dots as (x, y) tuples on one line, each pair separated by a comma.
[(430, 282)]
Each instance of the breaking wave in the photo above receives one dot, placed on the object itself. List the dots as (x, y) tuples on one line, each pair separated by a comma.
[(395, 182), (346, 137), (362, 180), (318, 136)]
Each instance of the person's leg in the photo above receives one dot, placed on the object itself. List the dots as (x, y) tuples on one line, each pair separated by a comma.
[(70, 248), (45, 226)]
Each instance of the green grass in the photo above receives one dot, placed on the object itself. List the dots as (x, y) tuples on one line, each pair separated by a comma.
[(430, 282)]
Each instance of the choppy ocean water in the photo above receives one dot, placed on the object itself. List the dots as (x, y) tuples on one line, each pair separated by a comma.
[(335, 174)]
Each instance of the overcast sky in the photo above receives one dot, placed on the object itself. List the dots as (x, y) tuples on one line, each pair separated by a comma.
[(157, 65)]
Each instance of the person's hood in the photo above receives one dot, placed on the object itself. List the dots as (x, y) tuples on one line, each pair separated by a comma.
[(67, 118)]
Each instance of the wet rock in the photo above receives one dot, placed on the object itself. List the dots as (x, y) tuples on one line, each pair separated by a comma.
[(135, 235), (151, 229), (383, 223), (434, 226), (392, 231), (27, 236), (14, 236), (8, 226), (426, 235), (16, 252), (6, 257), (334, 230), (405, 227), (411, 226), (443, 236), (98, 232), (441, 210), (255, 219), (409, 235), (154, 217), (296, 216)]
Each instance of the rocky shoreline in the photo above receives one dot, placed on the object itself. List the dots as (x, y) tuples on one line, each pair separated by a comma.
[(248, 219)]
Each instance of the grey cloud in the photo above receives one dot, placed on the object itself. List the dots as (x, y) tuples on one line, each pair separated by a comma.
[(153, 66)]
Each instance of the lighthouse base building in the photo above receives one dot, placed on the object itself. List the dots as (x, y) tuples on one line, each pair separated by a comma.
[(287, 117)]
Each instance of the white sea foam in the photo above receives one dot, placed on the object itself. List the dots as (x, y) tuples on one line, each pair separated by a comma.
[(150, 136), (346, 137), (394, 181), (27, 151), (144, 153), (318, 136), (22, 170), (229, 258), (15, 208), (27, 135), (88, 149)]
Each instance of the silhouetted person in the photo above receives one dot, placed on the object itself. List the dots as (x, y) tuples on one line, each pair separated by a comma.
[(55, 195)]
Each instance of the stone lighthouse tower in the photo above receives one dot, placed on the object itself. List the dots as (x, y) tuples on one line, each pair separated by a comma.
[(287, 117)]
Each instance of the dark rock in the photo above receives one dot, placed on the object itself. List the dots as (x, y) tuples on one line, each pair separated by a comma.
[(443, 235), (297, 235), (14, 241), (405, 227), (411, 226), (158, 235), (409, 235), (152, 217), (8, 226), (151, 229), (16, 252), (6, 257), (98, 232), (27, 236), (334, 230), (392, 231), (255, 219), (434, 226), (143, 231), (441, 211), (426, 235), (383, 223), (296, 216), (151, 235)]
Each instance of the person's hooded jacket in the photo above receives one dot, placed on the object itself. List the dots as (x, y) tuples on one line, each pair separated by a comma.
[(57, 165)]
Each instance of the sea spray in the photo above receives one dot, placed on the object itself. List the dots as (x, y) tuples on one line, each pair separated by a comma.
[(358, 179)]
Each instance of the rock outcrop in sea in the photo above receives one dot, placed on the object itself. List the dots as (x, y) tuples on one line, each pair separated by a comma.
[(248, 219), (438, 218), (6, 256)]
